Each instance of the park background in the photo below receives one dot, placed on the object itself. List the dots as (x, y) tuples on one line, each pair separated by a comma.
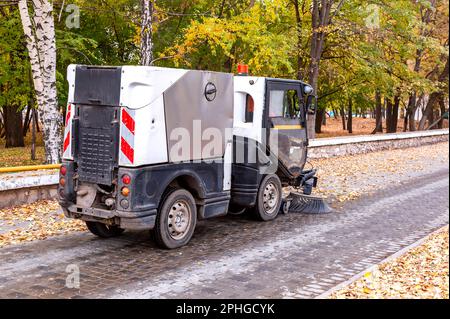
[(377, 66)]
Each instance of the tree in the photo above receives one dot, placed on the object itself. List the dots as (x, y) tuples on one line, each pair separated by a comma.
[(146, 47), (437, 96), (333, 44), (251, 32), (40, 35), (14, 66), (321, 19)]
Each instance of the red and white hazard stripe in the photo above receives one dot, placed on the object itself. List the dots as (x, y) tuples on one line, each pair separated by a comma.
[(127, 126), (67, 147)]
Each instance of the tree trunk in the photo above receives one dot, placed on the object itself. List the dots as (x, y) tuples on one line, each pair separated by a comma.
[(431, 117), (300, 57), (13, 127), (350, 116), (405, 120), (40, 36), (33, 134), (146, 49), (427, 113), (442, 109), (394, 118), (412, 116), (36, 119), (378, 114), (388, 115), (319, 118), (320, 20), (31, 105), (26, 122), (2, 132), (343, 118), (434, 98), (410, 112)]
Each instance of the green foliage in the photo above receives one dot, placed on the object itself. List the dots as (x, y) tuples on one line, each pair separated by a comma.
[(359, 57), (14, 66), (256, 36)]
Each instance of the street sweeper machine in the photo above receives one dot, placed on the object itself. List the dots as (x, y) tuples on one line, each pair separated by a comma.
[(160, 148)]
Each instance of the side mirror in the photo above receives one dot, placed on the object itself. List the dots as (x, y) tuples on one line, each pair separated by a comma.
[(307, 89), (311, 104)]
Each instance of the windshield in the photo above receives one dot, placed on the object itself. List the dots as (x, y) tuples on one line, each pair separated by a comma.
[(284, 103), (288, 135)]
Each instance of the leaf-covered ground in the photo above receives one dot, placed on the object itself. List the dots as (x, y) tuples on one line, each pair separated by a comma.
[(360, 126), (421, 273), (348, 177), (36, 221), (20, 156)]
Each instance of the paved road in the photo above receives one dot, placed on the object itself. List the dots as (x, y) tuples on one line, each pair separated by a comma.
[(296, 255)]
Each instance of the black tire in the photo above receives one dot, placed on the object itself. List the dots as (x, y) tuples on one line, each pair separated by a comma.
[(103, 230), (269, 198), (176, 219)]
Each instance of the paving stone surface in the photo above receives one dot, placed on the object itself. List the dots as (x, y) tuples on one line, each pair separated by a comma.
[(295, 256)]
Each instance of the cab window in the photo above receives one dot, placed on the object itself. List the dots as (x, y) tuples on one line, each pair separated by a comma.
[(249, 109), (284, 103)]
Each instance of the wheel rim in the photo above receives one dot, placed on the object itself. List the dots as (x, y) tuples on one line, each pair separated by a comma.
[(179, 219), (270, 198)]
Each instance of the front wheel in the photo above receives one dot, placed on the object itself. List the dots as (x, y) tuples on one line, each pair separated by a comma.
[(269, 198), (176, 219), (103, 230)]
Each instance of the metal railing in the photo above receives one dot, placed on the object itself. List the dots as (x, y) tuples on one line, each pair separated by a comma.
[(16, 169)]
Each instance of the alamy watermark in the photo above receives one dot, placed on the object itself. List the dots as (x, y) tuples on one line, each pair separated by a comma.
[(72, 20), (209, 145), (372, 20), (73, 277)]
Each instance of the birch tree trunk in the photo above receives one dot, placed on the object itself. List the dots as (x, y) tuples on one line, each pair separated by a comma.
[(146, 49), (40, 35)]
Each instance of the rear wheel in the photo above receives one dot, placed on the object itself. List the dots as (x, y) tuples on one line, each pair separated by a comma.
[(269, 198), (176, 219), (103, 230)]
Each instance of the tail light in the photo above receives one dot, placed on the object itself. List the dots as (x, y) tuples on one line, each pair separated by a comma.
[(126, 179), (125, 191)]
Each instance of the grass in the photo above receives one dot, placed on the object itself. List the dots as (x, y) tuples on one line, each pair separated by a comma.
[(19, 156)]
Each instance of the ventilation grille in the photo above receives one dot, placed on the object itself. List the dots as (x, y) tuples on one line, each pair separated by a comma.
[(95, 156)]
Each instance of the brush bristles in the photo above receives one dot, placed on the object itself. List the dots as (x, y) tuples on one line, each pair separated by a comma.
[(308, 205)]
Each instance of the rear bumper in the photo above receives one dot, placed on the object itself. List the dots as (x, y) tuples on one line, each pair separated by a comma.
[(126, 220)]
